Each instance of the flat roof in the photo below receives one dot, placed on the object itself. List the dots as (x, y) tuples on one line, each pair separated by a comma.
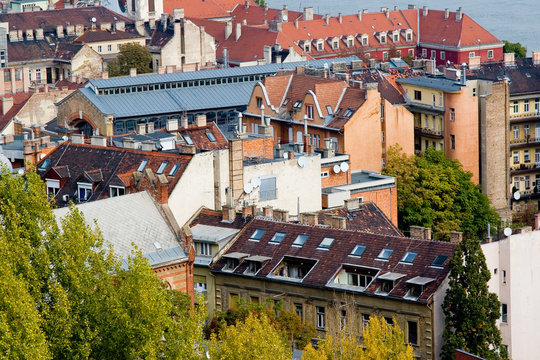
[(392, 276), (211, 233), (420, 280), (432, 83)]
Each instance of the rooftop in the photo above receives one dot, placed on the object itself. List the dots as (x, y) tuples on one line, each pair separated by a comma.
[(438, 83)]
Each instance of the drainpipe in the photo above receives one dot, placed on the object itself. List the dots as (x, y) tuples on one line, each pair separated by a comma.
[(28, 130)]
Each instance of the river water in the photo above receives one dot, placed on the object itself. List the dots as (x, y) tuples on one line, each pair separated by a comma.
[(512, 20)]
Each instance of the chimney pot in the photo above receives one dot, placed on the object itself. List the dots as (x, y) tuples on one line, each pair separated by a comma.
[(352, 203), (456, 237), (200, 120), (172, 124), (133, 72), (228, 213), (268, 211), (310, 219), (459, 14), (425, 11), (238, 31)]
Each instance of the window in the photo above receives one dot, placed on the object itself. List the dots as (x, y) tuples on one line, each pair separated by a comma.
[(276, 239), (350, 42), (504, 313), (199, 287), (516, 182), (443, 55), (99, 48), (365, 321), (409, 35), (324, 174), (187, 139), (325, 243), (118, 47), (335, 45), (174, 169), (299, 310), (320, 46), (411, 52), (439, 261), (396, 37), (309, 111), (297, 105), (490, 54), (205, 249), (504, 276), (527, 182), (389, 320), (452, 114), (211, 137), (385, 254), (342, 318), (357, 276), (259, 101), (348, 113), (385, 55), (526, 130), (516, 132), (417, 95), (383, 38), (433, 54), (253, 267), (382, 136), (307, 47), (257, 235), (267, 189), (231, 264), (329, 109), (452, 142), (293, 268), (109, 48), (516, 157), (537, 157), (320, 317), (162, 167), (358, 250), (53, 186), (412, 332), (84, 191), (424, 52), (409, 257), (526, 156), (117, 191), (515, 107), (526, 105), (300, 240), (364, 40), (471, 54), (142, 165), (38, 76)]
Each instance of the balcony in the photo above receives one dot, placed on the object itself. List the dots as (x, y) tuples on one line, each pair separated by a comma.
[(429, 133), (522, 143), (517, 169), (524, 117)]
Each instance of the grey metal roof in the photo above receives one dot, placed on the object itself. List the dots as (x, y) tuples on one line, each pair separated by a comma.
[(147, 79), (420, 280), (171, 101), (392, 276), (129, 220), (214, 234), (165, 256), (432, 83)]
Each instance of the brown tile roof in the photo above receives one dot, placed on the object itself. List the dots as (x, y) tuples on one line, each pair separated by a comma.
[(367, 218), (523, 78), (98, 35), (49, 19), (19, 99), (90, 161), (214, 218), (22, 51), (196, 8), (329, 262), (201, 140), (159, 37), (70, 85), (352, 99)]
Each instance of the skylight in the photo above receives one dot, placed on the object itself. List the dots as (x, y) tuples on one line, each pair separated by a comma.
[(297, 105), (143, 165), (300, 240), (44, 164), (278, 236), (329, 109), (358, 250), (188, 140), (385, 254), (257, 235), (409, 257), (325, 243), (162, 167), (348, 112), (439, 261), (174, 169), (211, 137)]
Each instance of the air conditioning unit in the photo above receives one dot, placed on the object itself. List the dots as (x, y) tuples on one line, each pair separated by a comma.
[(65, 197)]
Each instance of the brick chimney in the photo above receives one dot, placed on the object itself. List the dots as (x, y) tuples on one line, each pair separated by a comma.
[(416, 232), (238, 31), (7, 104), (268, 211), (249, 210), (309, 219), (228, 29), (281, 215), (456, 237), (459, 14), (200, 120), (352, 203), (228, 213)]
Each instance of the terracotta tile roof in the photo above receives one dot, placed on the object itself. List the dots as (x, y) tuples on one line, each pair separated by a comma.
[(201, 140), (196, 8), (231, 5), (367, 218), (275, 87), (112, 163), (256, 15), (522, 78), (19, 99), (49, 19), (250, 46), (327, 263), (98, 35), (353, 99), (435, 29), (212, 27)]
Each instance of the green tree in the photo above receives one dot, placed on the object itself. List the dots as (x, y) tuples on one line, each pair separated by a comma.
[(470, 310), (515, 48), (381, 341), (64, 296), (253, 338), (132, 55), (434, 191)]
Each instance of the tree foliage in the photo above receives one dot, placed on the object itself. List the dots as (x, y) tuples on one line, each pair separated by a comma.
[(63, 295), (132, 55), (434, 191), (255, 337), (470, 310), (515, 48), (381, 341)]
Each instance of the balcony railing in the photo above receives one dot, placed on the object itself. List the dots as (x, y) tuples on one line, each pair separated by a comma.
[(524, 168), (434, 134), (531, 115), (528, 141)]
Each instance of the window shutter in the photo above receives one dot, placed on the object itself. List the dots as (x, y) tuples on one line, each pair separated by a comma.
[(268, 189)]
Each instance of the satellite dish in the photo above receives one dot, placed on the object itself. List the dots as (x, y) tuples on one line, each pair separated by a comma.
[(285, 18), (93, 20), (285, 156), (517, 195), (337, 169), (507, 231), (302, 161), (20, 171), (65, 138), (248, 188), (255, 182), (344, 167)]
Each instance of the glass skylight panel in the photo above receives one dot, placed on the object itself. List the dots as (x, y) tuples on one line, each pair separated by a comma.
[(300, 240), (385, 254), (174, 169), (409, 257), (44, 164), (325, 243), (162, 167), (257, 235), (188, 140), (142, 165), (278, 236), (211, 137), (358, 250), (439, 261)]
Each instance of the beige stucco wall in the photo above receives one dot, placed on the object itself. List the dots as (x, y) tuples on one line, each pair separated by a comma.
[(199, 46), (41, 108), (77, 105), (86, 63), (114, 45), (398, 126)]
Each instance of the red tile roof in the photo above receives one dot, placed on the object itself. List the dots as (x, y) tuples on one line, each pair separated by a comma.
[(204, 9), (19, 99), (200, 138), (231, 5), (256, 15)]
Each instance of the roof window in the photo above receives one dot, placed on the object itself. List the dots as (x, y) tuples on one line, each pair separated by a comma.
[(409, 257), (439, 261), (257, 235), (188, 140), (298, 104), (162, 167), (278, 236), (174, 169), (300, 240), (45, 164), (326, 243), (211, 137), (294, 268), (358, 250), (142, 165), (385, 254), (348, 113)]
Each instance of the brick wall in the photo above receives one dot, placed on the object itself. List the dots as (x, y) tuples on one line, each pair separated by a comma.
[(385, 199), (333, 179), (258, 147)]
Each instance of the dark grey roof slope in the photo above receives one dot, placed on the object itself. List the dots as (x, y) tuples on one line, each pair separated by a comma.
[(432, 83)]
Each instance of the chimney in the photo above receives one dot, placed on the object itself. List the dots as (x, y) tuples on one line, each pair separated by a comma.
[(309, 219), (537, 222), (296, 23), (284, 14), (308, 13), (29, 34), (327, 18), (359, 15), (340, 18), (13, 36), (281, 215), (411, 6), (105, 75), (39, 33), (169, 69), (79, 29), (416, 232), (463, 74), (77, 138), (7, 104), (128, 143), (352, 203), (148, 145), (187, 149), (268, 211), (161, 70), (150, 128), (120, 25), (164, 18), (427, 233), (456, 237), (365, 11), (246, 5), (238, 31), (446, 13), (177, 14), (244, 22), (459, 14), (98, 140), (425, 11), (70, 29), (141, 129), (536, 57), (172, 124), (228, 213), (200, 120), (290, 154), (133, 72), (105, 26), (509, 59), (184, 121), (265, 6), (339, 222), (249, 210)]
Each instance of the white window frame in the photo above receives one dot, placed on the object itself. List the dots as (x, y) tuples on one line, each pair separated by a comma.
[(309, 111), (411, 52), (53, 186), (320, 310), (86, 188), (490, 54), (116, 191), (324, 174), (443, 55), (472, 54), (205, 249), (424, 52)]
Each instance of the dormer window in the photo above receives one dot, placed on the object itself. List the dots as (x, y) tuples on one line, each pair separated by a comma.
[(417, 285), (395, 36), (307, 47), (365, 41), (255, 263), (408, 35), (84, 190), (116, 191), (293, 268), (350, 41), (233, 260), (382, 38), (388, 281), (53, 186), (335, 43), (357, 276), (320, 45)]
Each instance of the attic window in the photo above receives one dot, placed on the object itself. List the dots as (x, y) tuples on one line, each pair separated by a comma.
[(356, 276), (286, 101), (385, 254), (329, 109), (300, 240), (188, 140), (44, 165), (417, 285), (297, 105), (294, 268), (174, 169), (439, 261), (325, 243), (348, 113), (278, 236), (358, 250), (211, 137), (257, 235), (142, 165), (383, 38), (162, 167), (409, 257)]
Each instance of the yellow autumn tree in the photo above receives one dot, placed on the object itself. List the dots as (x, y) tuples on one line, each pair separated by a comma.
[(254, 338), (381, 342)]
